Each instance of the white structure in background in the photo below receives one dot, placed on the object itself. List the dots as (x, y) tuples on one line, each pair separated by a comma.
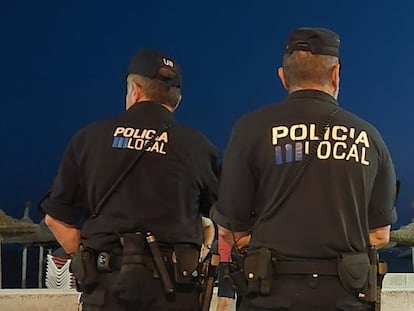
[(58, 275)]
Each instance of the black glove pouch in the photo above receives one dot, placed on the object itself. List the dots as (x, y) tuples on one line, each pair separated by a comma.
[(186, 263), (258, 270), (353, 270), (83, 266), (134, 277)]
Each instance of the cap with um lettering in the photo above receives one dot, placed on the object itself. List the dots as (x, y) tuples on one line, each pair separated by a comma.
[(149, 63)]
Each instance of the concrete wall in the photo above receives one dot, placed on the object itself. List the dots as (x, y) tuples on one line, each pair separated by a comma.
[(397, 295), (397, 299), (38, 299), (398, 292)]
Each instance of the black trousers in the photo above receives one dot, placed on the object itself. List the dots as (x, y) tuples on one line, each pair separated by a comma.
[(304, 293), (149, 297)]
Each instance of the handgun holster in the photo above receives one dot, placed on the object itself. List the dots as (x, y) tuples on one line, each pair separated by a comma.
[(238, 257), (83, 266)]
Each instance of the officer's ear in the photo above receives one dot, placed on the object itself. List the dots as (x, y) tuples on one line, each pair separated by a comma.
[(137, 92), (134, 94), (282, 77), (178, 103), (335, 77)]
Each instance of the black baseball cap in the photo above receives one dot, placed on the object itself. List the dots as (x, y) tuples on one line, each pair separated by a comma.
[(315, 40), (148, 63)]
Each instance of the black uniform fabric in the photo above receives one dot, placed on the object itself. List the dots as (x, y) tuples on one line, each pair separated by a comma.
[(304, 293), (149, 298), (347, 189), (166, 192)]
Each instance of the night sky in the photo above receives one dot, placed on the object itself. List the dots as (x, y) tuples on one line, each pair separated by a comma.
[(63, 66)]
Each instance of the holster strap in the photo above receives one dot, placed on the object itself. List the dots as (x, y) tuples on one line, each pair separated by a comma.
[(323, 267)]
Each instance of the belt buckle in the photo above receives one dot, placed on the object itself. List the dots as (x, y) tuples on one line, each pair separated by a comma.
[(103, 262)]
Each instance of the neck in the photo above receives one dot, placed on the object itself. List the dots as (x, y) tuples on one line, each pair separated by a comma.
[(135, 101), (146, 100), (168, 107), (314, 87)]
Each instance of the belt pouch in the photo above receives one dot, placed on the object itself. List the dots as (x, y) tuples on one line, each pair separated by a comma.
[(185, 263), (353, 270), (258, 270), (83, 266)]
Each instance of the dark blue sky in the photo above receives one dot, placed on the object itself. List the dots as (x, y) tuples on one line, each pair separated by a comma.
[(63, 63)]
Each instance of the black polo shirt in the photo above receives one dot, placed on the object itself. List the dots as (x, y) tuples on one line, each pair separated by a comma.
[(347, 189), (166, 191)]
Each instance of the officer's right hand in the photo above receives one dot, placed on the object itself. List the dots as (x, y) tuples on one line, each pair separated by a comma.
[(243, 241)]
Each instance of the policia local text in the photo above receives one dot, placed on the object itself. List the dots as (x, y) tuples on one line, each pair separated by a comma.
[(339, 143)]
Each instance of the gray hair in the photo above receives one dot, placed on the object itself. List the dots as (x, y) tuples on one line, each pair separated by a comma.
[(302, 68), (157, 90)]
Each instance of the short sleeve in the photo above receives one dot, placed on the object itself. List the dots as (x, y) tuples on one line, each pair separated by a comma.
[(382, 211), (64, 201), (237, 187)]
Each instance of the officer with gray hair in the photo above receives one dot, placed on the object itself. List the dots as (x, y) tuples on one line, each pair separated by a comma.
[(308, 186), (129, 195)]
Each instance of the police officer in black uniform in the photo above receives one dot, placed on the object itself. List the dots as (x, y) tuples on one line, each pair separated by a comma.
[(128, 182), (309, 184)]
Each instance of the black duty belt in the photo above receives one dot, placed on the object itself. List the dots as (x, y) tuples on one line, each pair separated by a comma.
[(323, 267), (106, 262)]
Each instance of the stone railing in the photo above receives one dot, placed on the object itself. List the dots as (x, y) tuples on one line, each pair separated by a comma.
[(397, 295)]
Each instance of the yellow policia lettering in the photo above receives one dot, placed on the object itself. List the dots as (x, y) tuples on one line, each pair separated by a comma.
[(136, 139), (300, 132)]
